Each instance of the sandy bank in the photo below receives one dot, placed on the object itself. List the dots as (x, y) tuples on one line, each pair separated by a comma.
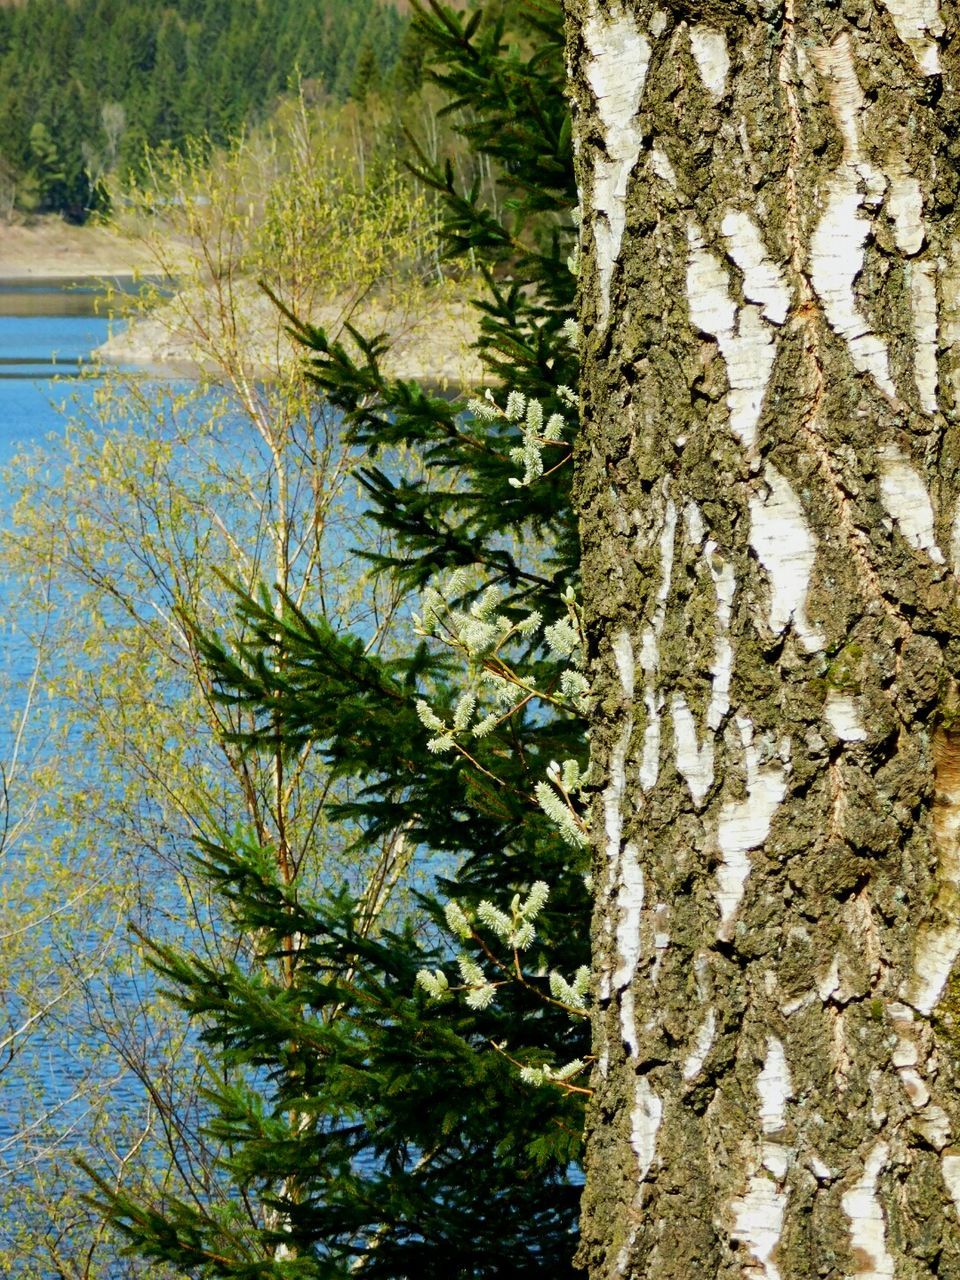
[(51, 249), (430, 334)]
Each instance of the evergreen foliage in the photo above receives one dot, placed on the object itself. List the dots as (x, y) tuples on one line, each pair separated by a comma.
[(379, 1128), (186, 69), (386, 1132)]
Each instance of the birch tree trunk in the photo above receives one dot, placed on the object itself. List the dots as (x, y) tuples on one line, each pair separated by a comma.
[(768, 482)]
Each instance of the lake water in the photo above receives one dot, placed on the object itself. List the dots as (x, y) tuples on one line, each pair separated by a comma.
[(75, 1060), (72, 1064), (48, 331)]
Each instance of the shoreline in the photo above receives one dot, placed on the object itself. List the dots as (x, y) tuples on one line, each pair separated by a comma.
[(430, 342), (49, 250), (431, 331)]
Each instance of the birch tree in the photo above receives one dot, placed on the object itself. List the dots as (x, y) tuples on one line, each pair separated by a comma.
[(768, 485)]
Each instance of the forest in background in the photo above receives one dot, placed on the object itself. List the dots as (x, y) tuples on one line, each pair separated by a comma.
[(88, 86)]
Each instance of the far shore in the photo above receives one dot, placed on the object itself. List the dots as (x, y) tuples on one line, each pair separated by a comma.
[(431, 345), (49, 249)]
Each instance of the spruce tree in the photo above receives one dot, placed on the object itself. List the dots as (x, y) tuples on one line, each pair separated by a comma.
[(386, 1133)]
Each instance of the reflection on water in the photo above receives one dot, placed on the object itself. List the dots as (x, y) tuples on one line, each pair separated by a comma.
[(47, 330), (36, 297), (49, 327), (13, 368)]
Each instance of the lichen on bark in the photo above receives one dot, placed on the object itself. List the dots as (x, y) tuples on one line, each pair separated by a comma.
[(768, 492)]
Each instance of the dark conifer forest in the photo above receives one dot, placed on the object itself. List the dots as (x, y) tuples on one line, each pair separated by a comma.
[(87, 85)]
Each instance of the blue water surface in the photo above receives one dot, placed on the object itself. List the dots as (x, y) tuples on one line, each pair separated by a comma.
[(48, 330)]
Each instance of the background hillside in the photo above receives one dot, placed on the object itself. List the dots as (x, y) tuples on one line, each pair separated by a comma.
[(86, 85)]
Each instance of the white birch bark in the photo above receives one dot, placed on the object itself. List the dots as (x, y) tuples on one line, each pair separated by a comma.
[(770, 310)]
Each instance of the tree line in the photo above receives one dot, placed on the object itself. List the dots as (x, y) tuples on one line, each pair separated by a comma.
[(87, 85)]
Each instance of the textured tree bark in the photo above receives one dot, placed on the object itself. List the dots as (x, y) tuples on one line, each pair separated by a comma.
[(768, 483)]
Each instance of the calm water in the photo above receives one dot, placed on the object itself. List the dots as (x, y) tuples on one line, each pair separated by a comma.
[(47, 333), (48, 330)]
